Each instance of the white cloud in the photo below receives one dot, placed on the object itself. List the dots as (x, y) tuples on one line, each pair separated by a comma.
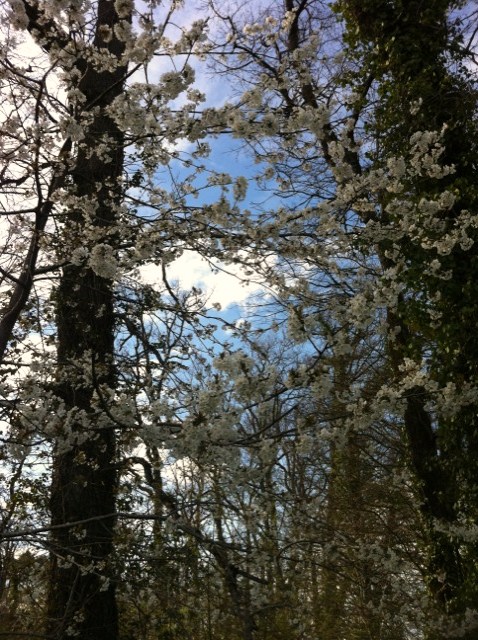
[(227, 285)]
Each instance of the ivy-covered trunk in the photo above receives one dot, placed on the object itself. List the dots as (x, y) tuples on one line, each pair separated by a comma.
[(414, 55)]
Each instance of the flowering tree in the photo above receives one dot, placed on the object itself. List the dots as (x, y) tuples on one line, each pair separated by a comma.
[(365, 113), (71, 114), (346, 473)]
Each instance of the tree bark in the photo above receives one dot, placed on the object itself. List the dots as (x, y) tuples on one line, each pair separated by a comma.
[(411, 44), (81, 599)]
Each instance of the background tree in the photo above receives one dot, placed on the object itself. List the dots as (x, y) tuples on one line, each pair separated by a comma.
[(386, 206)]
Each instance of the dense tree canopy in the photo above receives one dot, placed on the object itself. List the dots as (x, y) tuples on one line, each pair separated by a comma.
[(305, 469)]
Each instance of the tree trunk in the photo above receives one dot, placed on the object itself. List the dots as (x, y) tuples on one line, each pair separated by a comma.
[(81, 601), (412, 43)]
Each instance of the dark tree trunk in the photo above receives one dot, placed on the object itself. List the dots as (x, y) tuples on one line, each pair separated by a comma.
[(412, 44), (81, 601)]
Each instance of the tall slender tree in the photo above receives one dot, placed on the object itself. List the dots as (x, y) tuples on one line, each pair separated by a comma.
[(84, 108), (82, 588)]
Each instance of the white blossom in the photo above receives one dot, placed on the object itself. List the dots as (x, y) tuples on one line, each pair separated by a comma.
[(103, 261)]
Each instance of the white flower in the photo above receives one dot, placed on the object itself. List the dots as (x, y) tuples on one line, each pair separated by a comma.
[(17, 16), (240, 188), (73, 130), (79, 255), (103, 261), (123, 8)]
